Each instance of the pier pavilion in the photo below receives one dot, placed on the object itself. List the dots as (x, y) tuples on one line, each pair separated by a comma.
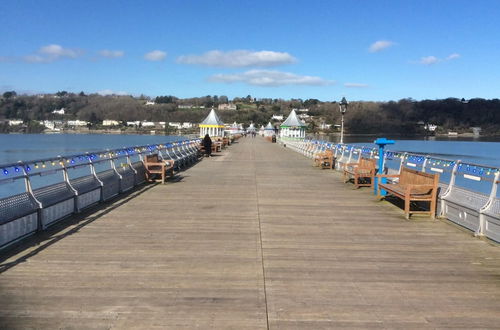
[(212, 125), (269, 130), (293, 127), (255, 238)]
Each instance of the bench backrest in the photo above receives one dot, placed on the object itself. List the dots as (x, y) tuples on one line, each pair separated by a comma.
[(366, 163), (152, 158), (409, 176)]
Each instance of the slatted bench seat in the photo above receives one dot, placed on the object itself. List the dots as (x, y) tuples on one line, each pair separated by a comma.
[(413, 186), (360, 171), (324, 159), (157, 166)]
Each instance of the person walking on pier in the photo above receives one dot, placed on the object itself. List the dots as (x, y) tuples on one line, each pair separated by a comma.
[(207, 145)]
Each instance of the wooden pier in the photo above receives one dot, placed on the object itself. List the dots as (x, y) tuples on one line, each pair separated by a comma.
[(252, 238)]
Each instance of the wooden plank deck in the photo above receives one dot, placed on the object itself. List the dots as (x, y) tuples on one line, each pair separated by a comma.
[(253, 238)]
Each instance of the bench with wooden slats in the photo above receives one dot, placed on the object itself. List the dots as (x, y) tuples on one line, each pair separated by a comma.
[(156, 166), (360, 172), (413, 186)]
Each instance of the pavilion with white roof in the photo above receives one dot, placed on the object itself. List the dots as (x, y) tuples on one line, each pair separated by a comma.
[(212, 125), (269, 130), (293, 127)]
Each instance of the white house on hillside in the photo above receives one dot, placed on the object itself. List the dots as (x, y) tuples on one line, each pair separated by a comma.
[(110, 122), (227, 106), (77, 123)]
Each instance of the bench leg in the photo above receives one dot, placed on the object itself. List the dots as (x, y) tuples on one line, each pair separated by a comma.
[(433, 208), (407, 208)]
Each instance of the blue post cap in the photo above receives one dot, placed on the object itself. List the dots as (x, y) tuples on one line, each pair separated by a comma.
[(383, 141)]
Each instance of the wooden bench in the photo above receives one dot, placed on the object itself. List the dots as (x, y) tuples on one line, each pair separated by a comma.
[(216, 147), (362, 170), (413, 186), (324, 159), (156, 166)]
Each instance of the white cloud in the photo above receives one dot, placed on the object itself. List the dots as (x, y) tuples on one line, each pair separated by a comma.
[(51, 53), (379, 45), (429, 60), (356, 85), (59, 51), (452, 56), (105, 92), (155, 55), (238, 58), (269, 78), (111, 53), (36, 59), (6, 59)]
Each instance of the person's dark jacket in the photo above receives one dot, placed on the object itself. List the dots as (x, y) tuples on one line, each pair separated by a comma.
[(207, 142)]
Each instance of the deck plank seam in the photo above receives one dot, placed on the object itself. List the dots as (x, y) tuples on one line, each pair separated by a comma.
[(260, 239)]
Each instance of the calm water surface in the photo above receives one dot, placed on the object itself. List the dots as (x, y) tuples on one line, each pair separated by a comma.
[(15, 147), (483, 151)]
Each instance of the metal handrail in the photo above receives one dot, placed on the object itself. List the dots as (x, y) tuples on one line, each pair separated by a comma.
[(23, 169)]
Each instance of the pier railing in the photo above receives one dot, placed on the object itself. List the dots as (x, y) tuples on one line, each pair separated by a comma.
[(55, 188), (468, 193)]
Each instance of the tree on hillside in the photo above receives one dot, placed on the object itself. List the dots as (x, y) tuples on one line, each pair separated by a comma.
[(10, 94)]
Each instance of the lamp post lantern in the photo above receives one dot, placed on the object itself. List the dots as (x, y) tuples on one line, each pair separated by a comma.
[(343, 108)]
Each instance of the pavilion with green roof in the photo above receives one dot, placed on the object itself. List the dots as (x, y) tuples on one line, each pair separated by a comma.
[(293, 127)]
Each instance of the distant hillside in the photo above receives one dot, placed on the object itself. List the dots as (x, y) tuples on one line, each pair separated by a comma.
[(405, 116)]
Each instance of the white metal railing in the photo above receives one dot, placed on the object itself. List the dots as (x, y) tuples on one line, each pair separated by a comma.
[(468, 193), (55, 188)]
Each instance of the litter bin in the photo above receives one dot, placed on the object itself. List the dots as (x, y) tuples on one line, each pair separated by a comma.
[(273, 140)]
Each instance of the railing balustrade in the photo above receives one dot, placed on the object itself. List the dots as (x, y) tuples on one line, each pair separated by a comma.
[(468, 193), (55, 188)]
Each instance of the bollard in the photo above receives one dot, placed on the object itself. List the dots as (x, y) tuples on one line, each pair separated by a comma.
[(381, 142)]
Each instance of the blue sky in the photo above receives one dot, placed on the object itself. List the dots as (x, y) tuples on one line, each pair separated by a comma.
[(364, 50)]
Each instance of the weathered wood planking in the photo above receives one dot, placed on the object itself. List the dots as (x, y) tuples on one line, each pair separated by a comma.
[(252, 238)]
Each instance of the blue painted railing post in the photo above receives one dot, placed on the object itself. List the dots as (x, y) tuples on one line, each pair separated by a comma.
[(381, 142)]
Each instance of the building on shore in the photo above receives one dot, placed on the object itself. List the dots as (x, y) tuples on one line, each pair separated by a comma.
[(293, 127), (15, 122), (227, 106), (212, 125), (110, 122), (77, 123)]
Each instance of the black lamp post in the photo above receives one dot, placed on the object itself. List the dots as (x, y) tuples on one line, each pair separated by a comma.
[(343, 108)]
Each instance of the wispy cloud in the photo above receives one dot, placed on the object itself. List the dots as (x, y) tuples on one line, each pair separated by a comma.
[(429, 60), (356, 85), (238, 59), (452, 56), (379, 45), (270, 78), (155, 55), (7, 59), (111, 53), (51, 53), (106, 92)]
